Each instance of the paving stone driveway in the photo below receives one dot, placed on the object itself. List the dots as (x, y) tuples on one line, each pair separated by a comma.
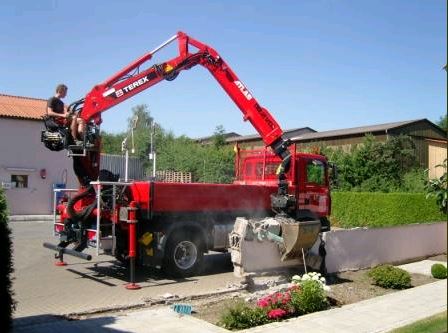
[(42, 288)]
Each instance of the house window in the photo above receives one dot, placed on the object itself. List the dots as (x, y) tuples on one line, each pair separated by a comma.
[(19, 181)]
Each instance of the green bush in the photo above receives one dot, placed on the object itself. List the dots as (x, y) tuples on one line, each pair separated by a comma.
[(414, 181), (374, 165), (310, 298), (438, 189), (242, 316), (350, 209), (438, 271), (7, 303), (390, 277)]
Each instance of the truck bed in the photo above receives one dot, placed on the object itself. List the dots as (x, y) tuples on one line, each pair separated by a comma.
[(199, 197)]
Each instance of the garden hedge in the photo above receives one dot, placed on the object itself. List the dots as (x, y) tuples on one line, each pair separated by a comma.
[(374, 209), (7, 303)]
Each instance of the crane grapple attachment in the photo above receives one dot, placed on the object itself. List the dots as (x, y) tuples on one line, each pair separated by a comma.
[(271, 243), (298, 236)]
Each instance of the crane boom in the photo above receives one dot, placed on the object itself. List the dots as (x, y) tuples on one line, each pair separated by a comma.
[(130, 81)]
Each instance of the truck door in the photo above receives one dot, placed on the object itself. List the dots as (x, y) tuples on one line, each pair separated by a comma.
[(313, 186)]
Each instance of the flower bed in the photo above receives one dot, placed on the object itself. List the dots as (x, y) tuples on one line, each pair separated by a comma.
[(306, 294), (346, 288)]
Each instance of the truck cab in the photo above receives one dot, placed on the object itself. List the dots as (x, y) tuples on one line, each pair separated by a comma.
[(308, 179)]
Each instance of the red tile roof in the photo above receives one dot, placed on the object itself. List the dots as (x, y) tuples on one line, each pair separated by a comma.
[(22, 107)]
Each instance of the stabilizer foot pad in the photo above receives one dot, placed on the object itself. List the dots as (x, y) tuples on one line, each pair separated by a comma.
[(132, 286), (60, 263)]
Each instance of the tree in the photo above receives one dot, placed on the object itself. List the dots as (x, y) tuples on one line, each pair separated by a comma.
[(207, 163), (218, 164), (373, 165), (141, 124), (219, 138), (111, 143), (443, 123), (181, 154)]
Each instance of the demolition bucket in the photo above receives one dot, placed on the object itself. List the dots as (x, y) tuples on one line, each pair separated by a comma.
[(298, 236)]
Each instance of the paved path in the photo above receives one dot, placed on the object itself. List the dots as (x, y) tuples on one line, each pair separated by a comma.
[(421, 267), (379, 314)]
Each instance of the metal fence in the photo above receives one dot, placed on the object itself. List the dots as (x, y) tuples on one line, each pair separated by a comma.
[(116, 164)]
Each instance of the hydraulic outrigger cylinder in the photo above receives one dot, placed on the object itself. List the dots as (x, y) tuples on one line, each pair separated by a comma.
[(61, 251)]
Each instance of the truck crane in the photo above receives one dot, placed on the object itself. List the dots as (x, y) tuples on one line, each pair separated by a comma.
[(172, 225)]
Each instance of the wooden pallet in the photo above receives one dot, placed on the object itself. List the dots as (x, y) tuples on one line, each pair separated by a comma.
[(169, 176)]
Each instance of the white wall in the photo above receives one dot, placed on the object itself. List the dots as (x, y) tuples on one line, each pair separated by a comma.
[(364, 248), (20, 147), (346, 249)]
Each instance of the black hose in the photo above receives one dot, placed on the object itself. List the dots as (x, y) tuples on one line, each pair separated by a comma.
[(83, 214), (285, 165), (104, 175)]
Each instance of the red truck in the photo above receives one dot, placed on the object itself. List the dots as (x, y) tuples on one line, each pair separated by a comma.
[(172, 225)]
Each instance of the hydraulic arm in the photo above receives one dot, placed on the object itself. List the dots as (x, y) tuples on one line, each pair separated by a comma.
[(131, 80)]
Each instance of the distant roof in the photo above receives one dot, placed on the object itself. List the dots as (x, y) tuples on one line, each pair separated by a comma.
[(22, 107), (358, 130), (257, 136), (226, 135)]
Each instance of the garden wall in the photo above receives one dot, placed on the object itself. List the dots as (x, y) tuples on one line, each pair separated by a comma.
[(346, 249), (360, 248)]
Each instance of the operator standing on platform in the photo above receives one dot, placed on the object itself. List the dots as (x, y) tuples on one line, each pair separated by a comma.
[(58, 114), (55, 107)]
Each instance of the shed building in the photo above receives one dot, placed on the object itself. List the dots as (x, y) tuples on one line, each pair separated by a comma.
[(429, 139)]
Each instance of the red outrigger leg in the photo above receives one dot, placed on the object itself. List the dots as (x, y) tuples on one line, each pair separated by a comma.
[(132, 222)]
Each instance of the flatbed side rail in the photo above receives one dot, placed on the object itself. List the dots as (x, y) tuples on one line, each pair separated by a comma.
[(98, 185)]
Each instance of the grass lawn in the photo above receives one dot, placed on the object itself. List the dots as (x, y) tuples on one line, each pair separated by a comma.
[(434, 324)]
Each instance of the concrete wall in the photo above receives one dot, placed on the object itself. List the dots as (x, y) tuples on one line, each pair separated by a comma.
[(363, 248), (346, 250), (22, 153)]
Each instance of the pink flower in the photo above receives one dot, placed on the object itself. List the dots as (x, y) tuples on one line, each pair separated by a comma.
[(294, 288), (263, 303), (276, 313)]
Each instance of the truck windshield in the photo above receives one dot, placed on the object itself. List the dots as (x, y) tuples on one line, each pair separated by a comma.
[(315, 172)]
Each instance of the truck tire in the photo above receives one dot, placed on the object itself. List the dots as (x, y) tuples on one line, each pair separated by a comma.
[(184, 255), (121, 247), (325, 224)]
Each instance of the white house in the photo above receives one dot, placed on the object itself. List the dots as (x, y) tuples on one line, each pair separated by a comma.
[(28, 170)]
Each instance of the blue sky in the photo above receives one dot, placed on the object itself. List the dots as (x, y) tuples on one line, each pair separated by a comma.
[(323, 64)]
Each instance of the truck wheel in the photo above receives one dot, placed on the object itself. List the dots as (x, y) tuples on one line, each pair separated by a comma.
[(325, 224), (184, 255), (121, 247)]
